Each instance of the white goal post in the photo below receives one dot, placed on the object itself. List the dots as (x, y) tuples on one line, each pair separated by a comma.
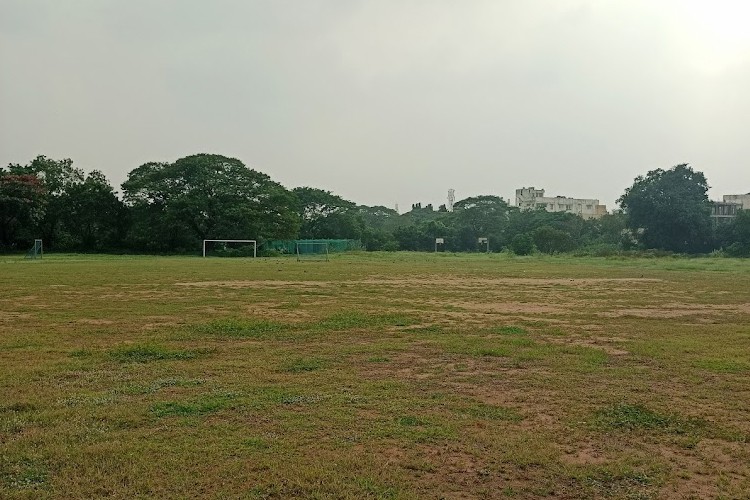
[(255, 244)]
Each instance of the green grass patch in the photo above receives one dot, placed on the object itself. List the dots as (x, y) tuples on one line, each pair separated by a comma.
[(723, 365), (158, 385), (346, 320), (81, 353), (571, 357), (301, 365), (508, 330), (495, 352), (627, 417), (17, 408), (619, 480), (410, 421), (412, 428), (22, 474), (370, 488), (243, 329), (255, 444), (209, 403), (148, 353)]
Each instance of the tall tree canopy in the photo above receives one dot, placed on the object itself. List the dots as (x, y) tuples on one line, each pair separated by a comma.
[(205, 196), (326, 215), (22, 206), (735, 236), (57, 177), (669, 209), (95, 217), (170, 207), (480, 216)]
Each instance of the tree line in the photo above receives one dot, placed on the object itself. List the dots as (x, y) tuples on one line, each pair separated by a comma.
[(172, 207)]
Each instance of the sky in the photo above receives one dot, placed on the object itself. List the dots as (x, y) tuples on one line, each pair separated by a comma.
[(386, 102)]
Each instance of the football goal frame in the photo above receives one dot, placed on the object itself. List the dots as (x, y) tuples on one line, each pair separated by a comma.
[(306, 255), (254, 242), (37, 251)]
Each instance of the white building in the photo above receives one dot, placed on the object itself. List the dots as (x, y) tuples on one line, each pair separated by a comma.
[(531, 199), (726, 210), (740, 199)]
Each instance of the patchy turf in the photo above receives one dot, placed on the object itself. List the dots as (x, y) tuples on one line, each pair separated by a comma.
[(375, 376)]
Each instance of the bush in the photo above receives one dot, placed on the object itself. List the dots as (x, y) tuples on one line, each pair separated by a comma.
[(737, 249), (600, 250), (551, 240), (390, 246), (522, 244)]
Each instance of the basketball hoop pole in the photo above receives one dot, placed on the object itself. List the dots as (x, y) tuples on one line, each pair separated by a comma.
[(439, 241), (486, 241)]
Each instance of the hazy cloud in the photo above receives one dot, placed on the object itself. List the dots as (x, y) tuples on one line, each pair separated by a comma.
[(381, 101)]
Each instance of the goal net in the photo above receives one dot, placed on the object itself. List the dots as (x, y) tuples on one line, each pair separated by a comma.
[(230, 248), (312, 250), (36, 252)]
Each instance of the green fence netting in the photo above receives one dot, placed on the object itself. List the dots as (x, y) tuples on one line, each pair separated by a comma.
[(312, 246)]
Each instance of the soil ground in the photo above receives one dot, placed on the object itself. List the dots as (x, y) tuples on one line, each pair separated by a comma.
[(391, 375)]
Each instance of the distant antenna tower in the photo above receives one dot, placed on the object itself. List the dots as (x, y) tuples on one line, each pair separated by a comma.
[(397, 208), (451, 199)]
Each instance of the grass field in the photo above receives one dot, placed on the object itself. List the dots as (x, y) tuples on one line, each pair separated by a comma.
[(375, 376)]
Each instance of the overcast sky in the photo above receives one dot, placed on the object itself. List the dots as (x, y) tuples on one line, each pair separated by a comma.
[(386, 102)]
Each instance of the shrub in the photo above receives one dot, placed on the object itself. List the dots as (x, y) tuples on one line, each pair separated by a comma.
[(522, 244)]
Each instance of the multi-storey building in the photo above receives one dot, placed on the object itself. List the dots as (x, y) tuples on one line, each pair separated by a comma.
[(726, 210), (742, 199), (532, 199)]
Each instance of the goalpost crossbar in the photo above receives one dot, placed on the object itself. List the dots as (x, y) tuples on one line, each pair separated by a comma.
[(310, 247), (254, 242), (36, 251)]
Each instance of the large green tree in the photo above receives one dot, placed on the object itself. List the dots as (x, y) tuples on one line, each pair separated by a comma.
[(379, 224), (550, 240), (479, 216), (669, 209), (57, 177), (326, 215), (735, 236), (22, 206), (94, 217), (204, 196)]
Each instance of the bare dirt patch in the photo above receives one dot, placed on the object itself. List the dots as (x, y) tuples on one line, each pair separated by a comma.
[(260, 284), (699, 470), (595, 342), (161, 321), (278, 310), (677, 310), (585, 454), (419, 364), (95, 321), (510, 307), (469, 282), (11, 316)]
